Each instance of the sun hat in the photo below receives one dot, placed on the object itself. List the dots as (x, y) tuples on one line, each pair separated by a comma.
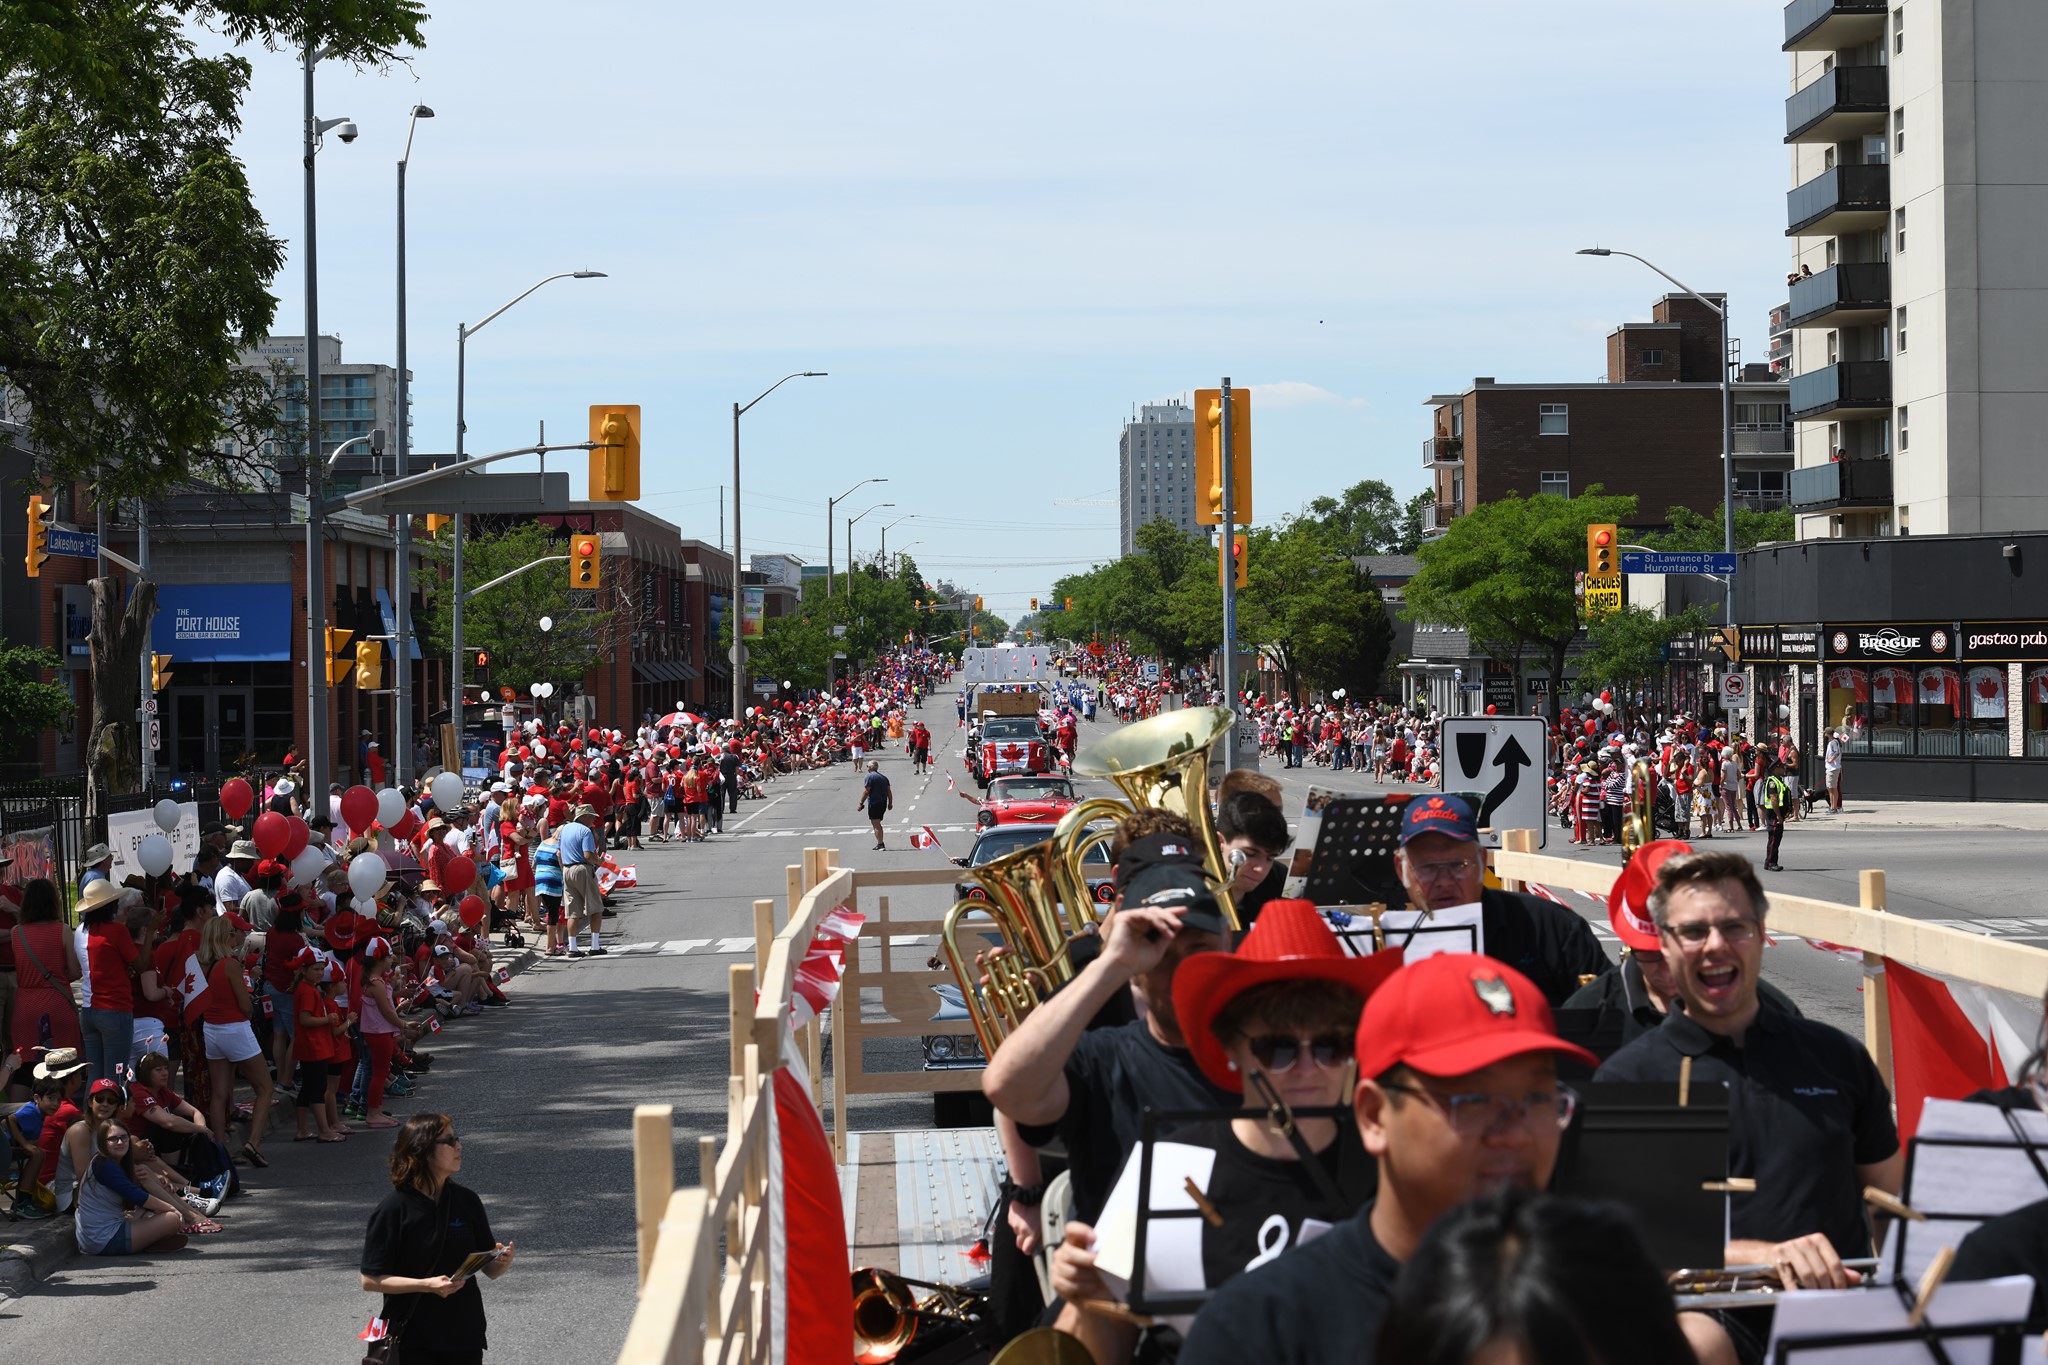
[(96, 855), (241, 849), (1288, 942), (1454, 1013), (60, 1062), (97, 893)]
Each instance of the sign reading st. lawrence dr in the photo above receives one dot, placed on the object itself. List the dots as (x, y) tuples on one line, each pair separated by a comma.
[(1662, 561)]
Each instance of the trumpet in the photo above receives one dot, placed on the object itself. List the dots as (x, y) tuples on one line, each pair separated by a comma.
[(1038, 897), (887, 1313), (1743, 1286)]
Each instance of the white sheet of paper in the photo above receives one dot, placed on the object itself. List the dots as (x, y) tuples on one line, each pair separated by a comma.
[(1970, 1183), (1173, 1246), (1826, 1312), (1454, 929)]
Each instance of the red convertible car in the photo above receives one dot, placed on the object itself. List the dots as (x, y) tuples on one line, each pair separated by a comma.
[(1033, 799)]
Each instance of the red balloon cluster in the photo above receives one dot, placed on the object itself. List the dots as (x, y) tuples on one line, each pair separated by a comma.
[(358, 808)]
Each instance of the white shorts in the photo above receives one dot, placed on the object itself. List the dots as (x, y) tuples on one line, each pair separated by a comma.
[(231, 1042)]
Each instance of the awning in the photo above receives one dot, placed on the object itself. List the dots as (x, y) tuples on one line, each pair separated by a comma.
[(664, 671)]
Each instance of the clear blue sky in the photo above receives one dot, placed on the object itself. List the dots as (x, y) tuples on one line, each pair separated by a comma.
[(1000, 228)]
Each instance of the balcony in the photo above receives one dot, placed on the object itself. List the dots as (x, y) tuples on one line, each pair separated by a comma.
[(1762, 438), (1840, 200), (1831, 25), (1441, 452), (1437, 518), (1844, 483), (1843, 296), (1854, 388), (1844, 103)]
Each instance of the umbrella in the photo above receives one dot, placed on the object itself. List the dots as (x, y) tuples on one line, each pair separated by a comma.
[(675, 718)]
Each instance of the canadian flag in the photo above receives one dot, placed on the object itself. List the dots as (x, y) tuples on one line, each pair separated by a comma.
[(949, 783), (922, 837), (1948, 1039)]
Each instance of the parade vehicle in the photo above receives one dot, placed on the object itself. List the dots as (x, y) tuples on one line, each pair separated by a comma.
[(1026, 800), (1010, 744), (1002, 840)]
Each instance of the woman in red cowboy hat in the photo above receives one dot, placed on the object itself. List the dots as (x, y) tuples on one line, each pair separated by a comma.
[(1282, 1010)]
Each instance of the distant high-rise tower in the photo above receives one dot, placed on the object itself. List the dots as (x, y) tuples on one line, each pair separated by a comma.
[(1155, 470)]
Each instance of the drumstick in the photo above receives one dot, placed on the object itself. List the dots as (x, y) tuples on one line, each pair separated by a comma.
[(1684, 1082), (1202, 1202)]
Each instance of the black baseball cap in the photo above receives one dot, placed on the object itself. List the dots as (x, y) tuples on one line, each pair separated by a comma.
[(1167, 870)]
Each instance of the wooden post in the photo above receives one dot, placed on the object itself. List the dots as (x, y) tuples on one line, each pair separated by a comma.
[(654, 1176), (793, 885), (707, 1165), (1877, 1008), (740, 1012), (814, 1050), (1516, 841), (849, 997), (764, 934)]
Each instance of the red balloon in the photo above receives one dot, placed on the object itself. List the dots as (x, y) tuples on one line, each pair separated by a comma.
[(1607, 696), (472, 910), (1490, 709), (272, 833), (297, 836), (358, 808), (406, 825), (235, 797), (1591, 728), (461, 874)]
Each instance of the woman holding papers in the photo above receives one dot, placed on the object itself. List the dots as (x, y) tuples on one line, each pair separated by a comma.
[(1275, 1021)]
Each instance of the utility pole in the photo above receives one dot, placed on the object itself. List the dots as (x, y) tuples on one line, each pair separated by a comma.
[(147, 710), (1226, 539), (316, 577)]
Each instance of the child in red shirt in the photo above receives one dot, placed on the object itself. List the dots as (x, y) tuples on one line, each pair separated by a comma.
[(312, 1046)]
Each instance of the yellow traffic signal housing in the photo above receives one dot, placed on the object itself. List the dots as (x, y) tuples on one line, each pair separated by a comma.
[(1034, 604), (583, 569), (159, 672), (615, 463), (369, 665), (1070, 604), (1237, 548), (1602, 544), (39, 514), (977, 607), (337, 667), (1209, 456), (435, 521)]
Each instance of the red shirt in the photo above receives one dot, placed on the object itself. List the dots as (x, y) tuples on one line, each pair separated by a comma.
[(280, 946), (310, 1042), (219, 1005), (109, 954), (177, 970), (597, 797), (52, 1138), (376, 769)]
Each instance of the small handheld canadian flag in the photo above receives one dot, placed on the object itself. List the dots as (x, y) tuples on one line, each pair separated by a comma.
[(922, 837), (949, 783)]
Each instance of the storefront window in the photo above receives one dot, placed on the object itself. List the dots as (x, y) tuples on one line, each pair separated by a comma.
[(1848, 705), (1984, 729), (1939, 710), (1891, 709), (2035, 694)]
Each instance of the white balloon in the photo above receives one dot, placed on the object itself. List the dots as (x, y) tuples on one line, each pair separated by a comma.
[(534, 688), (547, 623), (154, 854), (540, 748), (307, 866), (390, 806), (547, 689), (366, 875), (166, 813), (447, 791)]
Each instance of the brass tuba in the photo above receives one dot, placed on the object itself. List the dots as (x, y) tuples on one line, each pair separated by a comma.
[(1038, 897), (1639, 823)]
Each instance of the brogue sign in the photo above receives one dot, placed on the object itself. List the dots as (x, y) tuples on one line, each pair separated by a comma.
[(1891, 643)]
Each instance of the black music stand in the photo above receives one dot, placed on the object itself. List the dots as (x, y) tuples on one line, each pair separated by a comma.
[(1358, 938), (1153, 1126), (2006, 1340), (1354, 856), (1631, 1142), (1948, 1226)]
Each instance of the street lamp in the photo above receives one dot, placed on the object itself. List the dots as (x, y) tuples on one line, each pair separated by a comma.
[(316, 577), (739, 580), (849, 544), (883, 553), (1727, 411), (463, 332), (401, 575), (902, 551), (829, 504)]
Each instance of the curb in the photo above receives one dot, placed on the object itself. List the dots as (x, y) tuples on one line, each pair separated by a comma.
[(42, 1249)]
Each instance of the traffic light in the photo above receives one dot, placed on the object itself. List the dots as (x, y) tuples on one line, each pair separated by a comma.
[(369, 665), (1209, 456), (483, 663), (1600, 547), (159, 672), (39, 513), (1034, 604), (1237, 544), (977, 607), (435, 522), (1070, 604), (337, 668), (583, 572), (615, 464)]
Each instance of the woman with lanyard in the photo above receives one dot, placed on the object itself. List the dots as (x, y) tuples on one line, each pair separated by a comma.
[(423, 1248), (1280, 1013)]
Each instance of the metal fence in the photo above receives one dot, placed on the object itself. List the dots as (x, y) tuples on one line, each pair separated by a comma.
[(43, 823)]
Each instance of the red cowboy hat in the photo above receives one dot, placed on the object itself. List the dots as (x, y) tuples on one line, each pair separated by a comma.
[(1628, 901), (1289, 942)]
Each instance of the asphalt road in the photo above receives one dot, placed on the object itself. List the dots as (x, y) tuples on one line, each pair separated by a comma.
[(543, 1092)]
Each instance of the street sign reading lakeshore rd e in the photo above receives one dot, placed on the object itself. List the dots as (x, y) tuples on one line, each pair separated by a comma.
[(1488, 754), (1702, 562), (77, 544)]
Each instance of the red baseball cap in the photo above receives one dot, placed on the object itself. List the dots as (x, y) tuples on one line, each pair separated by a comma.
[(1452, 1013), (1628, 901), (1288, 942), (232, 918)]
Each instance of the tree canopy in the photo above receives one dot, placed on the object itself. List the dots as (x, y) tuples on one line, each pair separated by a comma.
[(1367, 519), (505, 621), (1691, 531)]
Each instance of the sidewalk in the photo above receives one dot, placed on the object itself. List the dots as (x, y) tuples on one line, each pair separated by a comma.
[(35, 1250), (2030, 816)]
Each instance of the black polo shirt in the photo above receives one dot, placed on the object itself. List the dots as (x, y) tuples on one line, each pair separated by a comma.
[(1319, 1304), (1624, 1001), (1542, 940), (1114, 1075), (1806, 1108), (2015, 1244)]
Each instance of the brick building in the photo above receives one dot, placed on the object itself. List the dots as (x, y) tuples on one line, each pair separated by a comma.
[(1651, 428)]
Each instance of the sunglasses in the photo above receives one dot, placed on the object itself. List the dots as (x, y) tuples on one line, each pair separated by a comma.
[(1279, 1052), (448, 1140)]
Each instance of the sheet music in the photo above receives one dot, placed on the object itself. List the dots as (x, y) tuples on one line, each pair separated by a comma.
[(1173, 1246), (1454, 929), (1829, 1312), (1960, 1187)]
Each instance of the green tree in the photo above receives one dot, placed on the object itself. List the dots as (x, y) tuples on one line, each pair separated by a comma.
[(505, 620), (1626, 649), (1504, 573), (795, 649), (1367, 519), (28, 705), (1690, 531)]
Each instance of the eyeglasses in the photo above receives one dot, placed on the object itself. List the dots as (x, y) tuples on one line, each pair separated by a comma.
[(448, 1140), (1734, 932), (1477, 1115), (113, 1138), (1444, 871), (1280, 1051)]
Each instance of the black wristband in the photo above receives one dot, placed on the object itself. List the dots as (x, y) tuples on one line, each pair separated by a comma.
[(1028, 1195)]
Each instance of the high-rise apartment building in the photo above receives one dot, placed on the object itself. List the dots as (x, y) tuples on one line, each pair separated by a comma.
[(1920, 289), (354, 399), (1156, 471)]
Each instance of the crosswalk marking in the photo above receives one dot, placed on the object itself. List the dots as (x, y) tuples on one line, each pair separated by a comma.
[(723, 947)]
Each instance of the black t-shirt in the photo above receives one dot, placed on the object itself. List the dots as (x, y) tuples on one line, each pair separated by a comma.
[(1320, 1304), (1252, 1191), (2014, 1244), (1251, 902), (1115, 1075), (1806, 1108), (874, 789), (1542, 940), (401, 1239)]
